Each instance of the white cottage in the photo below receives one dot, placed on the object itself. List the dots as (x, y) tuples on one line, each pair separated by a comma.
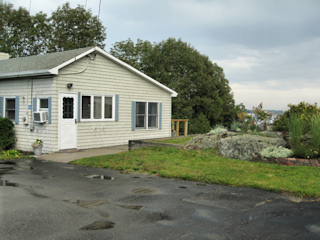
[(80, 99)]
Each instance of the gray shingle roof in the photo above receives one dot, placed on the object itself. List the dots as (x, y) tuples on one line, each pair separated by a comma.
[(38, 62)]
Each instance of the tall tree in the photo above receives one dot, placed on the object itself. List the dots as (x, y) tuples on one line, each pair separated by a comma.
[(75, 28), (204, 93), (22, 34)]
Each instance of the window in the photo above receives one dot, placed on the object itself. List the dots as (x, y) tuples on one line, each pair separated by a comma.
[(96, 107), (146, 115), (10, 106), (43, 104), (68, 108)]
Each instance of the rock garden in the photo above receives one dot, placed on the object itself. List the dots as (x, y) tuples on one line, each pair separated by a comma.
[(293, 138)]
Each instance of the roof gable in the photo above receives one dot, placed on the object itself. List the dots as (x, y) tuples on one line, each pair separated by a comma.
[(51, 63)]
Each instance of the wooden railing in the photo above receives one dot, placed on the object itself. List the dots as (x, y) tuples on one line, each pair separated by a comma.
[(175, 125)]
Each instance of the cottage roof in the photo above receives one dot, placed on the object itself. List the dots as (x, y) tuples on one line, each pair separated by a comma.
[(50, 63)]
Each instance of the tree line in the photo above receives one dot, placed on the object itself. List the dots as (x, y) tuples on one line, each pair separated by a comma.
[(204, 94), (22, 34)]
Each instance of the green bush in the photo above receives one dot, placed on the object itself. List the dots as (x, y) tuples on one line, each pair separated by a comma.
[(11, 153), (296, 128), (315, 131), (6, 134), (305, 110), (235, 125), (200, 124)]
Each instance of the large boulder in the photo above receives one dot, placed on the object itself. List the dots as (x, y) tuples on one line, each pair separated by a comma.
[(206, 141), (247, 147)]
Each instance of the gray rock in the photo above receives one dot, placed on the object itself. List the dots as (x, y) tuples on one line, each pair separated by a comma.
[(246, 147), (202, 142), (206, 141)]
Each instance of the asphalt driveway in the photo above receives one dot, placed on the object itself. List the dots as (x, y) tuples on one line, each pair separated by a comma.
[(51, 200)]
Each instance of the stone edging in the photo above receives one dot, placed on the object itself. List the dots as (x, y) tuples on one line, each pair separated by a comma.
[(291, 161)]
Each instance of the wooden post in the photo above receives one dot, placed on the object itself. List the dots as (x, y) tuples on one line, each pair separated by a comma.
[(177, 128), (177, 121), (186, 128)]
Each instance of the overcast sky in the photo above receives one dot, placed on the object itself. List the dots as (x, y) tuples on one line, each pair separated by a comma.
[(269, 49)]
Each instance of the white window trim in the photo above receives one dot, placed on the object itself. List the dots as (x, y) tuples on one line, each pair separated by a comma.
[(91, 119), (147, 115), (5, 107), (38, 104)]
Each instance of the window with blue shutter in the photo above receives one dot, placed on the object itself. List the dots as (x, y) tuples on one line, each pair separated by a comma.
[(133, 116), (16, 116), (116, 108)]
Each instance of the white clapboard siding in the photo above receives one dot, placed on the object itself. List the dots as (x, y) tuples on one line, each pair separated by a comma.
[(98, 76), (42, 88), (102, 76)]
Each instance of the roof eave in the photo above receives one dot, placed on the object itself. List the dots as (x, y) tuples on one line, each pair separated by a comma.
[(33, 73)]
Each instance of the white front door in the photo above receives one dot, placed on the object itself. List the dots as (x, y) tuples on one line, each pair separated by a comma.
[(68, 106)]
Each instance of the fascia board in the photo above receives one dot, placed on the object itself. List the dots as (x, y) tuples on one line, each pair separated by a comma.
[(137, 72), (41, 72), (57, 68)]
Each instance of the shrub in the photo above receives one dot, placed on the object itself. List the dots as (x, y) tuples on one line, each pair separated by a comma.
[(217, 129), (200, 124), (235, 125), (296, 128), (305, 110), (11, 153), (276, 152), (6, 134), (315, 131)]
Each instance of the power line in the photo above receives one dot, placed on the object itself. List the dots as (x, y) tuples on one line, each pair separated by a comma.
[(30, 6), (99, 10)]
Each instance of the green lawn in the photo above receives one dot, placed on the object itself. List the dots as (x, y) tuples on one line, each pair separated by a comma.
[(206, 166)]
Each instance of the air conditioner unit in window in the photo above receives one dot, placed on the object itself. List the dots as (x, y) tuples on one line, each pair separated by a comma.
[(40, 117)]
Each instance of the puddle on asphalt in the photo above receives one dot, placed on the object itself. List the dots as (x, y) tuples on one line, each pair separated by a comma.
[(201, 184), (96, 176), (8, 163), (314, 228), (93, 203), (143, 190), (6, 183), (99, 225), (205, 215), (6, 166), (132, 207)]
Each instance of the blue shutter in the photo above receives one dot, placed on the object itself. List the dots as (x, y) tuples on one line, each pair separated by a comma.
[(16, 109), (133, 116), (116, 117), (50, 110), (79, 106), (34, 104), (1, 108), (160, 115)]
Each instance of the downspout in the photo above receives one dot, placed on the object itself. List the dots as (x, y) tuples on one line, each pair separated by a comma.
[(31, 124)]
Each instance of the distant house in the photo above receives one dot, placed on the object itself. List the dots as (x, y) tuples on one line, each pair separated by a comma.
[(80, 99)]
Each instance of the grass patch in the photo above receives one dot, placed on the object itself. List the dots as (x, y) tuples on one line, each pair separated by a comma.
[(180, 141), (206, 166)]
